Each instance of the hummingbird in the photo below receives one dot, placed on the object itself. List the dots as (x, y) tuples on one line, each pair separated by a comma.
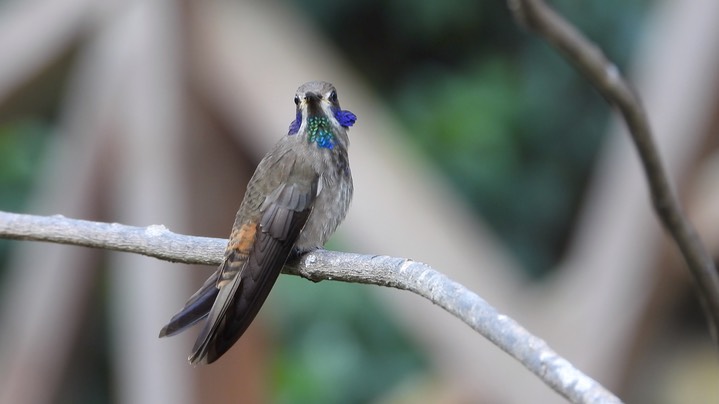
[(300, 192)]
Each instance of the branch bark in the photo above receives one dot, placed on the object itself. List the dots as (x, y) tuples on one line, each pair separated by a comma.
[(401, 273), (608, 80)]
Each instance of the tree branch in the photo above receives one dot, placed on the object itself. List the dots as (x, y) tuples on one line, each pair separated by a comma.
[(157, 241), (608, 80)]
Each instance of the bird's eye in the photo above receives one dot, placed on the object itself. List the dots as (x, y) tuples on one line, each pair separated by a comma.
[(333, 96), (297, 100)]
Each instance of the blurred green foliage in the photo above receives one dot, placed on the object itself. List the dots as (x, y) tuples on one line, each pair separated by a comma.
[(21, 147), (335, 344), (22, 143)]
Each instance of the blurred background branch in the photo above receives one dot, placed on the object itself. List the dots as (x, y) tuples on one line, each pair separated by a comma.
[(608, 80)]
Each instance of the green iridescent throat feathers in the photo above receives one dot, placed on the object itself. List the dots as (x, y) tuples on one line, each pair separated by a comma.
[(319, 131)]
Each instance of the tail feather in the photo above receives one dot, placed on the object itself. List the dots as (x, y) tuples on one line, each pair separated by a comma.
[(196, 308)]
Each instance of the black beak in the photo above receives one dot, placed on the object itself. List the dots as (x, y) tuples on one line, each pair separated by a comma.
[(313, 103)]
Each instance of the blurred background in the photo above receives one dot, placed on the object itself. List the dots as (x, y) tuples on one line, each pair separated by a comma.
[(477, 150)]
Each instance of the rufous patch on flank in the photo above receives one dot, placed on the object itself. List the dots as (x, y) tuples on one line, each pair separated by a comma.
[(243, 238)]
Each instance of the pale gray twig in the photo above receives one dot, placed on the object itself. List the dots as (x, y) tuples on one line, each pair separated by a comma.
[(157, 241)]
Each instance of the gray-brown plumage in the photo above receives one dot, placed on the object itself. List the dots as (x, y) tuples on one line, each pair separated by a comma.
[(295, 200)]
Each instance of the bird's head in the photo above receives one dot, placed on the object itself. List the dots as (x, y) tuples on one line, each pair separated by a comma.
[(318, 114)]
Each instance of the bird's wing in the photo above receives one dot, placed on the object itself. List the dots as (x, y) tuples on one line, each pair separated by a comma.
[(245, 283), (242, 237)]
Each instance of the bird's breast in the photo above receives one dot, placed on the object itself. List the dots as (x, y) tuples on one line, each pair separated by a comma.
[(330, 207)]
